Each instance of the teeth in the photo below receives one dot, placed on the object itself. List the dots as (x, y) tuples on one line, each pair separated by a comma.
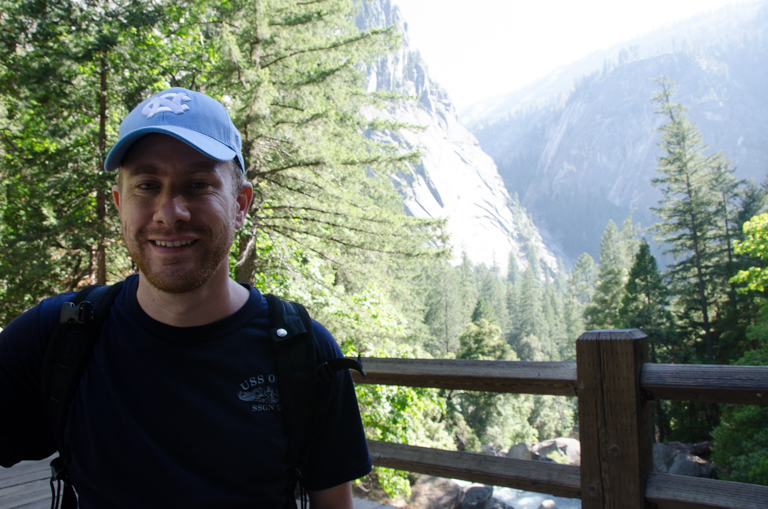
[(173, 244)]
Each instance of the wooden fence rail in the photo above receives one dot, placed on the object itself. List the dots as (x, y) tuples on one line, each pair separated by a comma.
[(613, 381)]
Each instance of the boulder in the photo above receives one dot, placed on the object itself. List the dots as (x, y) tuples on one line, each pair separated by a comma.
[(435, 493), (477, 497), (521, 451), (673, 460), (548, 504), (490, 450), (495, 503), (568, 447)]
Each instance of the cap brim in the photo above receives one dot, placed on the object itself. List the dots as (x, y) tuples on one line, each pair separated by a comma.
[(200, 142)]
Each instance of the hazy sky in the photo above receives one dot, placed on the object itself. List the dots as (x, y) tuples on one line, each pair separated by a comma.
[(482, 48)]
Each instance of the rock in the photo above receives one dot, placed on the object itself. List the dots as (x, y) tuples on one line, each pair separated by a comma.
[(693, 466), (663, 456), (548, 504), (673, 459), (701, 449), (568, 447), (477, 497), (521, 451), (495, 503), (490, 451), (435, 493)]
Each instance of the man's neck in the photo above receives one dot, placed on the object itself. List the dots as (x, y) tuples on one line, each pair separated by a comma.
[(217, 298)]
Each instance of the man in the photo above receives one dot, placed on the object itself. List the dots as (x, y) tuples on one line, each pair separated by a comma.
[(178, 405)]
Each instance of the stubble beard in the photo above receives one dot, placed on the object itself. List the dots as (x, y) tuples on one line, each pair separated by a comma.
[(170, 278)]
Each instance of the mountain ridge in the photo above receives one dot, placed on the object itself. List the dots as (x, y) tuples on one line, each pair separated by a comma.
[(590, 155)]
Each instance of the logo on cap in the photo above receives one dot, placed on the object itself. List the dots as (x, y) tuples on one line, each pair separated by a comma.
[(166, 102)]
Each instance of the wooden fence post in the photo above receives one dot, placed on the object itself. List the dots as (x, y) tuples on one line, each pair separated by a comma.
[(615, 427)]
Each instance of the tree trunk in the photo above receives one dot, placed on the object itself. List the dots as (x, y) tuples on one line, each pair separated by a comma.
[(101, 199), (246, 267), (700, 275)]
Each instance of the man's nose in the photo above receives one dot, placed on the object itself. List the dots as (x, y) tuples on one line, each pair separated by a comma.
[(172, 208)]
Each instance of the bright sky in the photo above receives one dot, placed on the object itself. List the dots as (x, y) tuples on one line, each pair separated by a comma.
[(482, 48)]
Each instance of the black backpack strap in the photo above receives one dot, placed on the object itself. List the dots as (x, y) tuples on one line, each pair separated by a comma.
[(69, 350), (294, 344), (299, 378)]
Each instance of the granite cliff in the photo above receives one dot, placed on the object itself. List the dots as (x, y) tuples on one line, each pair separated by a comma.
[(455, 178)]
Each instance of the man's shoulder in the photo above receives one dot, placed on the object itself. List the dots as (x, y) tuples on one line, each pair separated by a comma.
[(40, 319), (326, 345)]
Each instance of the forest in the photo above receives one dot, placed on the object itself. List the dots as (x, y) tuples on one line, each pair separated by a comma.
[(328, 229)]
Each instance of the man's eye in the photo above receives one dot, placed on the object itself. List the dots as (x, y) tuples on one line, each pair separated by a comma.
[(146, 186), (199, 185)]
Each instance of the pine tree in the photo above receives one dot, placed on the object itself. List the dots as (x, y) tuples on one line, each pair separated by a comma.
[(529, 320), (496, 419), (513, 269), (689, 214), (602, 311), (493, 291), (645, 305), (583, 279), (445, 316), (533, 259)]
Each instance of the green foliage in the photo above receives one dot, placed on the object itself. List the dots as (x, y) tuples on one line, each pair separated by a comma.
[(645, 305), (617, 249), (741, 439), (583, 279), (754, 245), (481, 340), (446, 311), (498, 420), (483, 311), (552, 416)]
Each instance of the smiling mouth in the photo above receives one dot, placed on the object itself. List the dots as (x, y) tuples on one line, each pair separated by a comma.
[(176, 243)]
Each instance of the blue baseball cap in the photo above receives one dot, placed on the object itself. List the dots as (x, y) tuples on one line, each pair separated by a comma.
[(194, 118)]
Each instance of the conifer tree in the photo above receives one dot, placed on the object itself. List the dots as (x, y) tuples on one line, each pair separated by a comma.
[(583, 279), (496, 419), (602, 311), (493, 291), (529, 319), (533, 259), (689, 215), (645, 305), (513, 269), (445, 316)]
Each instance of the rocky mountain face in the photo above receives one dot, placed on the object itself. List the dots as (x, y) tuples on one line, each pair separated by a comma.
[(455, 179), (581, 153)]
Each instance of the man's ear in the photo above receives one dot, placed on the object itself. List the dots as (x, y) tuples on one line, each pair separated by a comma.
[(116, 197), (244, 198)]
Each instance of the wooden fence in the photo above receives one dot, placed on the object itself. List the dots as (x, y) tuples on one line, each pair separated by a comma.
[(614, 383)]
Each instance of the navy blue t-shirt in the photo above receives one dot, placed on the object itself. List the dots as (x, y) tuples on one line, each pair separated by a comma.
[(175, 417)]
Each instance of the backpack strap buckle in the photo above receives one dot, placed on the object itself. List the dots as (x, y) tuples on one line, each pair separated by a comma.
[(76, 313), (325, 373)]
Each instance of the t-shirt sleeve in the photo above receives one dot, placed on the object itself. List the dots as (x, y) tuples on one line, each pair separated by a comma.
[(25, 434), (338, 451)]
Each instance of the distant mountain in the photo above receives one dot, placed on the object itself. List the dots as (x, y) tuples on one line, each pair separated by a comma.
[(580, 146), (455, 179)]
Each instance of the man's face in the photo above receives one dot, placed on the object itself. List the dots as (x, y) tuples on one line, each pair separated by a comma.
[(178, 212)]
